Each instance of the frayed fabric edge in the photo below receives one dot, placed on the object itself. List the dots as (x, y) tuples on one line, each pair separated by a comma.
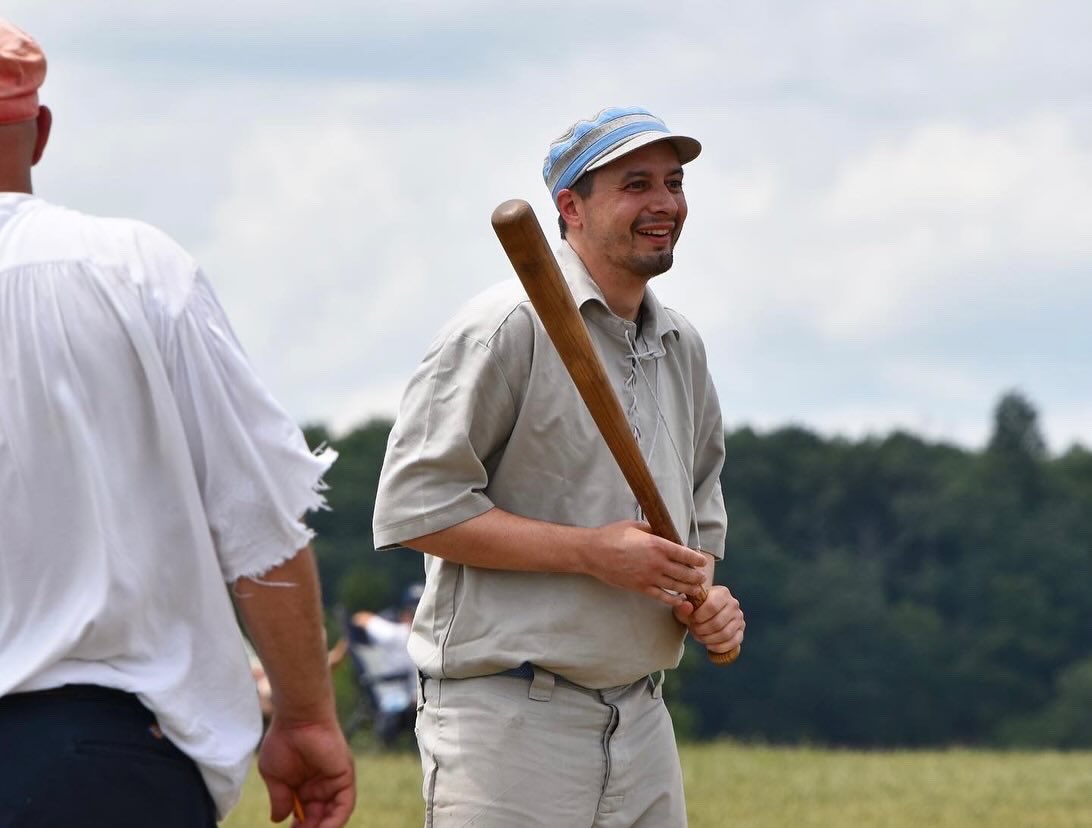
[(316, 502), (327, 456)]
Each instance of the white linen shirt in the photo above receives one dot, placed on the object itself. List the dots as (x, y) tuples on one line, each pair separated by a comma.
[(142, 466)]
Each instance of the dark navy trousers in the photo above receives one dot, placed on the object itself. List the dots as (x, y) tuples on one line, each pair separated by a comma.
[(81, 755)]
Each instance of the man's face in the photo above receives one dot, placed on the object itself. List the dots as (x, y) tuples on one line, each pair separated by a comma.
[(636, 210)]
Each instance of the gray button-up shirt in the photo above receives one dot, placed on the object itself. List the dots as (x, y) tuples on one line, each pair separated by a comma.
[(491, 418)]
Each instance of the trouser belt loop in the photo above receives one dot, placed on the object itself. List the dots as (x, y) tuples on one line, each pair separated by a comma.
[(657, 681), (542, 685)]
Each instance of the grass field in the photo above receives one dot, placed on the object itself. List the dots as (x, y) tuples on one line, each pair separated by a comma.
[(754, 787)]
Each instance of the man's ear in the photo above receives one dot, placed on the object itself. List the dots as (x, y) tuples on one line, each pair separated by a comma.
[(570, 207), (45, 124)]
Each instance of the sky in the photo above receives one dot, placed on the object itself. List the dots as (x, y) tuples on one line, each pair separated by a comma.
[(890, 223)]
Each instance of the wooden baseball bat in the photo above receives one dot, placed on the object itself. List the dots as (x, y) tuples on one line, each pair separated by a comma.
[(521, 237)]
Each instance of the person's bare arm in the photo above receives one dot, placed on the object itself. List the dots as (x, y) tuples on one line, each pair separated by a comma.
[(623, 554), (303, 754)]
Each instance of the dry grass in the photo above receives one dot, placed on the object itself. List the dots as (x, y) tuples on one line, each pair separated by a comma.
[(768, 788), (755, 787)]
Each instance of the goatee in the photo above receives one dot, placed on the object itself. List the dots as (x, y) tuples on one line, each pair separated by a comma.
[(653, 264)]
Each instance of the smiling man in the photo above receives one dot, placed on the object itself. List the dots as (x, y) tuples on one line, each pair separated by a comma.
[(550, 611)]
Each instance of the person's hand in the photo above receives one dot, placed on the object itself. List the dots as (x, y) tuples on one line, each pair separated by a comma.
[(626, 554), (309, 761), (718, 623)]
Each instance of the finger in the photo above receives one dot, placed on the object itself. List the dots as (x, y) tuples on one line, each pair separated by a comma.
[(670, 598), (686, 575), (281, 800), (678, 553), (720, 600), (689, 557), (339, 811), (672, 584), (719, 631), (694, 616), (732, 643), (683, 612), (717, 634), (712, 615)]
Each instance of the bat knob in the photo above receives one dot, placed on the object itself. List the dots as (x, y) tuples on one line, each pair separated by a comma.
[(724, 659)]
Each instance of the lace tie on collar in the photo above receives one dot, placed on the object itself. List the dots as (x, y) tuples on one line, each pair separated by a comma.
[(636, 369)]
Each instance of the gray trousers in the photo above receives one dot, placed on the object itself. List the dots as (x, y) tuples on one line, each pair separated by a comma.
[(504, 751)]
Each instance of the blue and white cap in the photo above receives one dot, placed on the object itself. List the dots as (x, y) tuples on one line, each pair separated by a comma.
[(614, 132)]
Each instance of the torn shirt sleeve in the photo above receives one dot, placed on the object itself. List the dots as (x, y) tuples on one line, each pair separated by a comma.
[(256, 476)]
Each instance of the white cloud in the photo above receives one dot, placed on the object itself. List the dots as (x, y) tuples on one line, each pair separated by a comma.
[(956, 212), (889, 222)]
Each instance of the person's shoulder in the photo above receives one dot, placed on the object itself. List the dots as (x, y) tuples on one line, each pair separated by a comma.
[(146, 241), (106, 236), (149, 258), (688, 339), (135, 251), (500, 309), (686, 328)]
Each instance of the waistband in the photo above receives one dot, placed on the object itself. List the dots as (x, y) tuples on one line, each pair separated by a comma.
[(542, 683), (74, 693)]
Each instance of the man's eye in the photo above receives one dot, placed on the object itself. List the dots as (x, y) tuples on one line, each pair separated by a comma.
[(675, 185), (637, 185)]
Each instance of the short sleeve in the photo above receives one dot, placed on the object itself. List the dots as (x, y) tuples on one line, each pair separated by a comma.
[(711, 523), (457, 411), (255, 474)]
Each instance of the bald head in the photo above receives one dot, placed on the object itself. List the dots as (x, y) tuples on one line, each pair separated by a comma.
[(24, 124)]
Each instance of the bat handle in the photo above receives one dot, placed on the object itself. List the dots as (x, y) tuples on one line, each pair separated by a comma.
[(720, 659)]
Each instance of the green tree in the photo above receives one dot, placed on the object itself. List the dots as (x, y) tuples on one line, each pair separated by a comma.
[(897, 591)]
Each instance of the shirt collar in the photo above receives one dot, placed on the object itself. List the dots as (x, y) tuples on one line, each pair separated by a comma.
[(656, 323), (11, 203)]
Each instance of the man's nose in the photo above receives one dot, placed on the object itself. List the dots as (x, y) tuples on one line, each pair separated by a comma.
[(663, 201)]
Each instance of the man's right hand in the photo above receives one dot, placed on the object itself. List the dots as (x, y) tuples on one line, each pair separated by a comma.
[(311, 762), (303, 754), (626, 554)]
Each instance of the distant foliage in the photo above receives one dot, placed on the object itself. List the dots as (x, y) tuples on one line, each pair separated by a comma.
[(898, 592)]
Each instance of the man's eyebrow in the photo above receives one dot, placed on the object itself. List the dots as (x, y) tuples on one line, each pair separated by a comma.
[(631, 174)]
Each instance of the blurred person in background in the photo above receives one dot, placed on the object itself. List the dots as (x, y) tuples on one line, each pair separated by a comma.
[(385, 675)]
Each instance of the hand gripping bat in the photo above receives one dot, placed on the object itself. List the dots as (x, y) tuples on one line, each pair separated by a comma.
[(522, 239)]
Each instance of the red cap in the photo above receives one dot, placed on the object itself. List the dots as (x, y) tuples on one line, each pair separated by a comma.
[(22, 70)]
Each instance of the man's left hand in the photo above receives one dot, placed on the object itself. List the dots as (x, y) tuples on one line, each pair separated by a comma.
[(718, 623)]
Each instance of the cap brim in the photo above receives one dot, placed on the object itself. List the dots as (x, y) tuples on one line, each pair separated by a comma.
[(688, 148)]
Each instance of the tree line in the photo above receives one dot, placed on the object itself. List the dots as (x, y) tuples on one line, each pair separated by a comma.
[(898, 592)]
